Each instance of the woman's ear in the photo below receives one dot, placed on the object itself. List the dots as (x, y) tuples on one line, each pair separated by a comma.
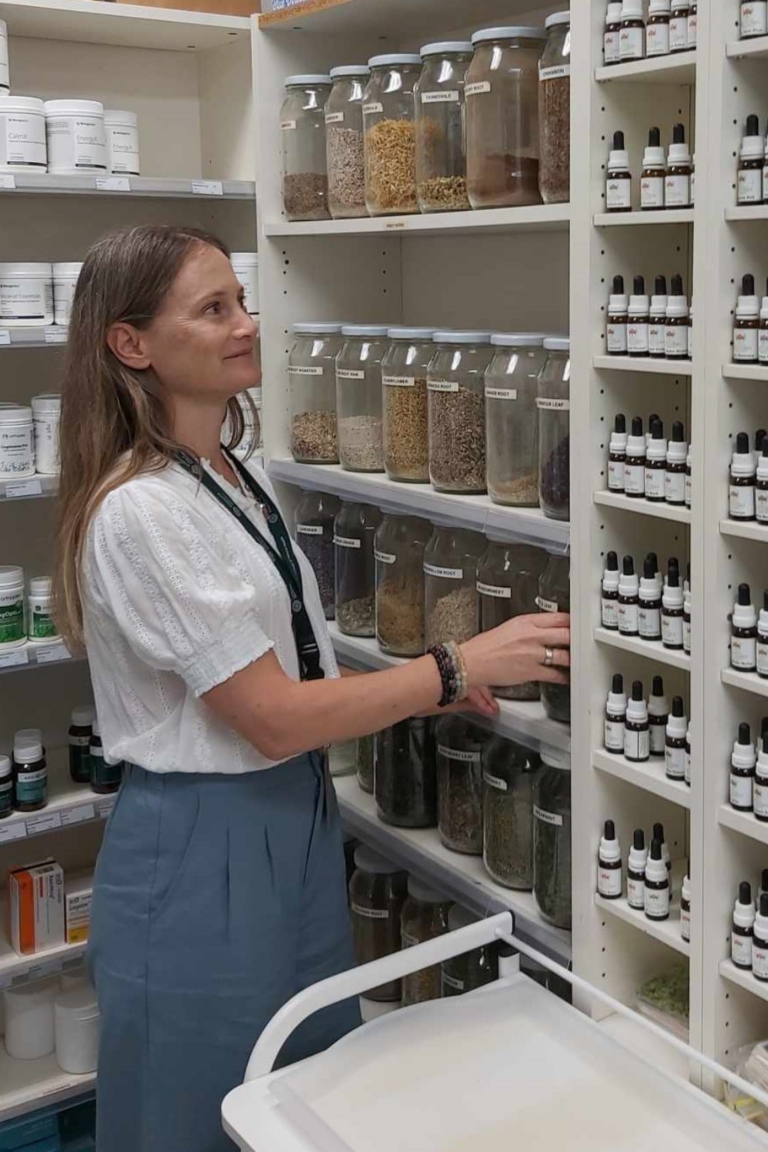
[(128, 344)]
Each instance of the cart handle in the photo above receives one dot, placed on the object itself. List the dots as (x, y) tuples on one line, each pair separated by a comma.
[(359, 980)]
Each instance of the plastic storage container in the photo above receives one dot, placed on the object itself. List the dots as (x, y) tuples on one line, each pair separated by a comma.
[(358, 397), (399, 553), (460, 745), (502, 117), (509, 776), (315, 516), (508, 583), (29, 1031), (344, 142), (406, 774), (12, 629), (22, 132), (40, 623), (26, 295), (76, 137), (354, 532), (302, 131), (555, 596), (46, 416), (555, 111), (121, 129), (456, 394), (553, 403), (245, 266), (77, 1028), (312, 384), (511, 418), (404, 397), (424, 917), (552, 838), (364, 758), (17, 442), (390, 134), (441, 160), (473, 969), (65, 277), (450, 584), (377, 892)]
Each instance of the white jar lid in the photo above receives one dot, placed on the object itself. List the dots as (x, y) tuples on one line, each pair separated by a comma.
[(308, 80), (316, 328), (350, 70), (557, 18), (421, 891), (23, 104), (26, 997), (47, 402), (517, 339), (462, 337), (516, 32), (394, 58), (410, 333), (370, 861), (44, 271), (27, 738), (28, 753), (39, 586), (11, 576), (554, 758), (5, 766), (80, 1004), (557, 344), (73, 268), (251, 258), (632, 9), (70, 107), (83, 715), (364, 330), (120, 116), (446, 48), (14, 414)]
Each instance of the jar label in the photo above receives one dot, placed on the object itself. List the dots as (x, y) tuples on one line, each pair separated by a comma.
[(649, 622), (609, 613), (500, 393), (754, 18), (495, 782), (657, 40), (632, 43), (609, 881), (287, 125), (761, 657), (761, 506), (34, 777), (370, 913), (741, 501), (79, 741), (547, 817), (384, 557), (657, 736), (347, 542), (494, 590), (745, 343), (750, 186), (678, 33), (674, 487), (760, 799), (674, 763), (478, 88), (309, 529), (372, 108), (637, 337), (398, 381), (656, 333), (656, 903), (618, 194), (25, 140), (448, 97), (634, 479), (762, 345), (744, 652), (671, 631), (676, 340), (349, 374), (677, 191), (637, 745), (334, 117), (442, 386), (444, 573), (741, 950), (42, 626), (452, 982), (611, 48), (685, 924), (741, 791), (654, 483), (305, 369), (615, 338), (760, 961), (615, 475), (549, 405), (555, 72), (613, 736), (687, 635), (636, 894), (408, 941), (546, 605), (11, 621), (629, 623), (457, 754)]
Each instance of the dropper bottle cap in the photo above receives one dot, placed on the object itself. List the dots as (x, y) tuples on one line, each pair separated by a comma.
[(677, 302), (653, 157), (762, 759), (655, 866), (764, 880), (672, 597), (761, 920), (656, 446), (619, 435), (677, 721), (760, 436), (678, 149), (618, 160), (636, 439), (611, 573), (762, 621), (639, 302), (764, 309), (658, 834), (747, 303), (649, 587), (658, 705), (743, 755), (743, 459), (618, 302), (744, 909), (638, 853), (677, 448), (610, 850), (659, 298), (744, 614), (762, 463), (617, 697), (629, 585), (637, 709), (752, 144)]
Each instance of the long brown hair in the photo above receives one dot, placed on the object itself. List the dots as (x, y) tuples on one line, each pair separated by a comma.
[(114, 423)]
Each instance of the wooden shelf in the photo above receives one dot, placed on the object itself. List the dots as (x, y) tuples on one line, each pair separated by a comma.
[(667, 931), (26, 1085), (537, 218), (746, 372), (660, 216), (748, 681), (744, 979), (755, 47), (679, 68), (676, 512), (643, 364), (745, 530), (743, 822), (649, 776), (652, 649)]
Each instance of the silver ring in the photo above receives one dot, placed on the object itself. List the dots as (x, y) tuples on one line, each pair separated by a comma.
[(549, 657)]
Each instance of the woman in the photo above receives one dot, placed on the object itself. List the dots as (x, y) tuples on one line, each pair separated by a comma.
[(219, 892)]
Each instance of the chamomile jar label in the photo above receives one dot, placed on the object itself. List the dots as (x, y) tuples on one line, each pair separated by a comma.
[(449, 96)]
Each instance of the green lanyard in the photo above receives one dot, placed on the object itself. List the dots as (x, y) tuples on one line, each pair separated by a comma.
[(282, 556)]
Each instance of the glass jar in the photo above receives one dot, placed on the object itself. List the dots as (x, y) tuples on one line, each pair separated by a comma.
[(509, 774), (315, 515), (460, 784), (312, 386), (554, 406), (552, 838), (353, 536), (424, 917), (456, 394), (473, 969), (512, 419), (377, 892), (390, 134), (399, 554), (341, 758), (364, 762), (555, 111), (502, 117), (344, 142), (555, 596), (358, 397), (406, 774), (507, 584), (450, 584), (302, 132), (404, 393), (441, 161)]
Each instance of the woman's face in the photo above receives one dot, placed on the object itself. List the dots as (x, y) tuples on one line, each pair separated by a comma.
[(201, 343)]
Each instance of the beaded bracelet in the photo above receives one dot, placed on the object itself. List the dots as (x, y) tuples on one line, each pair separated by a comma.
[(453, 676)]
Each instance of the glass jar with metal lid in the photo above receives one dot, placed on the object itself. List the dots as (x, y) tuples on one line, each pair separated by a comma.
[(502, 115), (315, 516), (460, 744), (406, 774), (344, 142), (456, 395), (312, 387), (354, 532), (302, 132), (424, 917), (555, 596), (377, 892), (553, 403), (552, 838), (472, 969), (441, 161), (404, 396), (508, 577), (358, 397), (555, 111), (450, 584), (390, 134), (511, 418), (509, 774), (399, 553)]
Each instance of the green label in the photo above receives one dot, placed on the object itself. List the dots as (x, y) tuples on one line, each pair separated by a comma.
[(43, 627), (80, 760), (104, 775), (31, 785), (11, 622)]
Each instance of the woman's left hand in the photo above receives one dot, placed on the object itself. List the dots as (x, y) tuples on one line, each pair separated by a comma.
[(480, 700)]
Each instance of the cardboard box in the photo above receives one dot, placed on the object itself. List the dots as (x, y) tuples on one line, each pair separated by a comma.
[(37, 907), (78, 894)]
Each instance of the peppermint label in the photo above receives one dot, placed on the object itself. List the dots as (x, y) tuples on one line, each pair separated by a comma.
[(494, 590)]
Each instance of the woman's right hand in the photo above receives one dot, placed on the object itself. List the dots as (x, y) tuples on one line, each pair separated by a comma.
[(516, 652)]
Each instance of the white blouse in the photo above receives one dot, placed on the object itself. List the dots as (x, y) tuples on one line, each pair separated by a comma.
[(177, 597)]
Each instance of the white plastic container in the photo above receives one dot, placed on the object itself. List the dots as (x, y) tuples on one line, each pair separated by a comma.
[(17, 450), (121, 129), (76, 137), (29, 1028), (246, 268), (40, 625), (77, 1027), (22, 133), (26, 295), (46, 414), (12, 630), (5, 79), (64, 284)]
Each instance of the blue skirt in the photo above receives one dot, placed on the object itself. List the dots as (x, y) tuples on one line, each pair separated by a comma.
[(216, 899)]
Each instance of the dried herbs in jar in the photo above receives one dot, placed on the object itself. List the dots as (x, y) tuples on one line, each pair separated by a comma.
[(377, 892), (509, 774), (406, 774), (460, 784), (424, 917)]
